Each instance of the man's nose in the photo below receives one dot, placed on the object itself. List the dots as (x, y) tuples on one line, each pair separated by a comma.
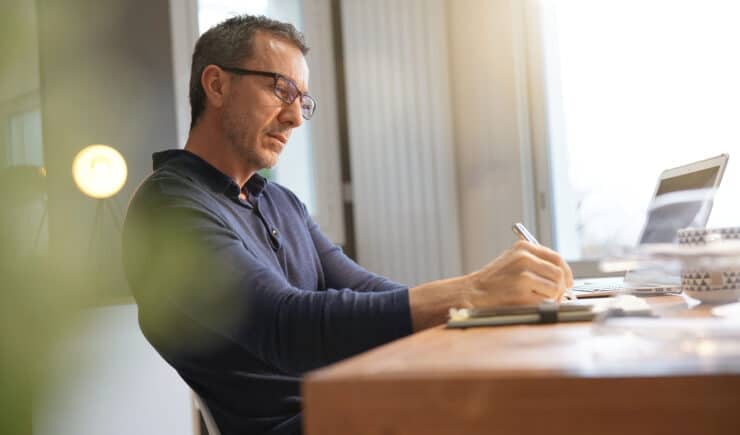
[(291, 114)]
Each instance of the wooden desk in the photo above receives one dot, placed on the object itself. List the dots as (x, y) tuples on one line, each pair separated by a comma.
[(539, 379)]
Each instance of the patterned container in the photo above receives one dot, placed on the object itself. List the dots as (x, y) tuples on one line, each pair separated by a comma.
[(711, 286)]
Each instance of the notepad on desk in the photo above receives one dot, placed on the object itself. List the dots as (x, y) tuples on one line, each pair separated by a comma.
[(548, 312)]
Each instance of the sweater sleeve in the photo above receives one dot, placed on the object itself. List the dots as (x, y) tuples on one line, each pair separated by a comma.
[(182, 259), (341, 271)]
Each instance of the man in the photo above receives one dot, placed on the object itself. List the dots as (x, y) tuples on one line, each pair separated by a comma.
[(237, 287)]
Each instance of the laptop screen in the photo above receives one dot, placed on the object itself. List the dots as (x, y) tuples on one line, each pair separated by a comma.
[(693, 210)]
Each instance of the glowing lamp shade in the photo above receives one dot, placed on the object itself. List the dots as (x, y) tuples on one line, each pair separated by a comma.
[(99, 171)]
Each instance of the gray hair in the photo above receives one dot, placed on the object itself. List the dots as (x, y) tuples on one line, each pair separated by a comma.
[(228, 44)]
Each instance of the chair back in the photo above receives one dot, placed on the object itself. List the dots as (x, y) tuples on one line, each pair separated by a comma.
[(201, 406)]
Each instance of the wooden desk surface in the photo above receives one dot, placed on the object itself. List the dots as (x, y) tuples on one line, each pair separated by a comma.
[(576, 378)]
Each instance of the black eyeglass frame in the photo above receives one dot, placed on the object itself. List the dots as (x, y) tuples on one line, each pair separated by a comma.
[(275, 90)]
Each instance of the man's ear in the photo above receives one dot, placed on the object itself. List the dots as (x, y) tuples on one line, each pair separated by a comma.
[(215, 85)]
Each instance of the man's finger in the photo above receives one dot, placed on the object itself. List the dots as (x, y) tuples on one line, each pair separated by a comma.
[(552, 257), (543, 268)]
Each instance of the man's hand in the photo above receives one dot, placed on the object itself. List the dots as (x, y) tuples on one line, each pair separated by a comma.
[(523, 274)]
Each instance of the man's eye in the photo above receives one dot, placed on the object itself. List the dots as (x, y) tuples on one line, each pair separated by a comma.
[(285, 93), (282, 91)]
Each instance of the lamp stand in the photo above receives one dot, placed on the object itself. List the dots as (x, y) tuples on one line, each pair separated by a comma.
[(98, 230)]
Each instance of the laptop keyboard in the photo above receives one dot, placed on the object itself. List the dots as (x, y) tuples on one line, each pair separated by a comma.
[(592, 287)]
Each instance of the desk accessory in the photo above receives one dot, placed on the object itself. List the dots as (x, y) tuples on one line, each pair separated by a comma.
[(710, 283), (549, 312)]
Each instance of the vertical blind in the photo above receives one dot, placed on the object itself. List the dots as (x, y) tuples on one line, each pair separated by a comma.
[(401, 141)]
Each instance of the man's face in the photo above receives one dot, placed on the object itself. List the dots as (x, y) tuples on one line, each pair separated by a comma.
[(256, 122)]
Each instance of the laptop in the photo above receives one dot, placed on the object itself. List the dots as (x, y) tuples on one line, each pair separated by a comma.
[(663, 221)]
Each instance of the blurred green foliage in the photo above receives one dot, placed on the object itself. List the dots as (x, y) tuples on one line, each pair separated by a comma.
[(40, 297), (37, 298)]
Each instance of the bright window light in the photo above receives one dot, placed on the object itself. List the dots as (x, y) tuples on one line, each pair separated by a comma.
[(212, 12), (640, 86)]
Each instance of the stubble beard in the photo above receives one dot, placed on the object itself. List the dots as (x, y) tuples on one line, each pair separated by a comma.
[(238, 138)]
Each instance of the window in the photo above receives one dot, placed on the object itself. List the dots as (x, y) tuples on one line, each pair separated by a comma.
[(24, 145), (634, 87)]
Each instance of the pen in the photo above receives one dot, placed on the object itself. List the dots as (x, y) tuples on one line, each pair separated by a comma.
[(523, 233)]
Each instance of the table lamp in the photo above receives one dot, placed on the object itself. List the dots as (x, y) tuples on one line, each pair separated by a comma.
[(99, 171)]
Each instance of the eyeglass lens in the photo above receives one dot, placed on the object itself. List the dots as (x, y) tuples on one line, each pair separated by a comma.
[(287, 91)]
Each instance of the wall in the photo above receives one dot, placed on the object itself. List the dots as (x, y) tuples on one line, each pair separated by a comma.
[(19, 71), (107, 379), (492, 128), (20, 129), (106, 77)]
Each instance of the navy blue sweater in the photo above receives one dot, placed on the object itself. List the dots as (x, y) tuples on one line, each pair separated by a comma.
[(243, 297)]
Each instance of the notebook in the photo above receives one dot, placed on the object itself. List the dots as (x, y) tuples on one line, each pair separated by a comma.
[(549, 312)]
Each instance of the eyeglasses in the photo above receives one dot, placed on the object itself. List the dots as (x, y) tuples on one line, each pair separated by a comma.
[(284, 88)]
